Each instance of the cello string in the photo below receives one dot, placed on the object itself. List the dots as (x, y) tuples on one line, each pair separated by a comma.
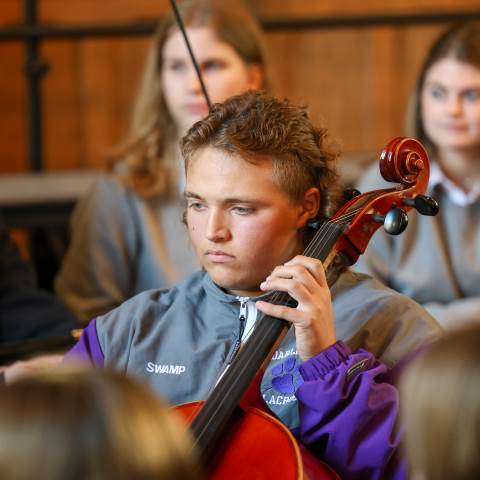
[(228, 388), (320, 239), (325, 232)]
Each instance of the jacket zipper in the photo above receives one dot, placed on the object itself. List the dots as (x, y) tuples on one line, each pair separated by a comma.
[(245, 317)]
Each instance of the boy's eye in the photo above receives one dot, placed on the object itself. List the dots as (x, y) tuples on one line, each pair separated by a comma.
[(243, 210), (196, 205)]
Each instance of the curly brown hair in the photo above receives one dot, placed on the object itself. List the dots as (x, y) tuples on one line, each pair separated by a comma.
[(253, 125)]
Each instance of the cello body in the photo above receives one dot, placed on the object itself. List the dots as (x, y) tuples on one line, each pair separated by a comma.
[(260, 447)]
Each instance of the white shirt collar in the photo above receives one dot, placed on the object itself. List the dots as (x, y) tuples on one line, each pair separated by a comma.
[(456, 194)]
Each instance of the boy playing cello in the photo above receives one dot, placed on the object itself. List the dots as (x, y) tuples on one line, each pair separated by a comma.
[(257, 173)]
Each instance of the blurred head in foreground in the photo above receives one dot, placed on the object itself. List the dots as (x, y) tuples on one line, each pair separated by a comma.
[(440, 398), (80, 424)]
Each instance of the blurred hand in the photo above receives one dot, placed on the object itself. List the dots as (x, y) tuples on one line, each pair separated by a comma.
[(30, 367)]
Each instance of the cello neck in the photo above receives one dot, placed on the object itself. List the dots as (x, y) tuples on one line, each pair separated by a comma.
[(212, 421)]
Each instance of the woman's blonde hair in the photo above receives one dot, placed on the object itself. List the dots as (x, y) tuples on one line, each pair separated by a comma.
[(78, 425), (440, 399), (144, 155), (460, 42)]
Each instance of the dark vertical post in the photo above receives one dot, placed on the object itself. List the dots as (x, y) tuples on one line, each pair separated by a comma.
[(35, 67)]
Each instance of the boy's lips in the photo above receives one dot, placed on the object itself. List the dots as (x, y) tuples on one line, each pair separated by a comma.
[(218, 256)]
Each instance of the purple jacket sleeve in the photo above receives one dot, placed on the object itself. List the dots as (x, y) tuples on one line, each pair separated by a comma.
[(87, 349), (348, 414)]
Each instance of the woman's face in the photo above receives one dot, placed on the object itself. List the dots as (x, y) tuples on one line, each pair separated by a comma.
[(450, 103), (224, 74)]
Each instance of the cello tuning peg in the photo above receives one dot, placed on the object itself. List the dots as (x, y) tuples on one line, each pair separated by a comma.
[(394, 222), (423, 204)]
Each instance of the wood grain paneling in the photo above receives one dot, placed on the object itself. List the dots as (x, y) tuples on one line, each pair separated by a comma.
[(10, 12), (12, 109), (356, 81), (307, 8)]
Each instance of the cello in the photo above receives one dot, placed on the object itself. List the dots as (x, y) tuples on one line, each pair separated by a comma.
[(233, 433)]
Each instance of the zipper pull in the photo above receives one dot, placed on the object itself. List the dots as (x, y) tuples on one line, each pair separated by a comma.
[(243, 321)]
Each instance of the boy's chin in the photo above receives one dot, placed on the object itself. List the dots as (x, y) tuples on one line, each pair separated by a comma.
[(236, 287)]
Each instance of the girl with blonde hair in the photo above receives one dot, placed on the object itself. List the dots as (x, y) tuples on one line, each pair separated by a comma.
[(127, 235)]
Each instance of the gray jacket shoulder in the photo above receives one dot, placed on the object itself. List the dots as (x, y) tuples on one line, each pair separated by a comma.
[(142, 316), (372, 316)]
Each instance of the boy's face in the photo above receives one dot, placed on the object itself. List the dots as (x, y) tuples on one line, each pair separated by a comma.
[(240, 222)]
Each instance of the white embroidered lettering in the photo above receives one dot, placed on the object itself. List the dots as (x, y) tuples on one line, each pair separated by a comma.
[(168, 369), (280, 400), (279, 355)]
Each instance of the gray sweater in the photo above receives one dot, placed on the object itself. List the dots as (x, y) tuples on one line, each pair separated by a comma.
[(436, 261), (121, 245)]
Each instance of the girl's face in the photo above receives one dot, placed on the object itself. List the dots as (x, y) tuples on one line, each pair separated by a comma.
[(224, 73), (450, 103)]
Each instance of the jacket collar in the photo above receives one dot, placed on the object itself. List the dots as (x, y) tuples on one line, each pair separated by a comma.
[(219, 294)]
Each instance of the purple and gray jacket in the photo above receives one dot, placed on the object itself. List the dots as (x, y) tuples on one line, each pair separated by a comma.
[(342, 405)]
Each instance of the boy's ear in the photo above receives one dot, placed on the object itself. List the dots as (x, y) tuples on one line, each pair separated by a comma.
[(309, 206)]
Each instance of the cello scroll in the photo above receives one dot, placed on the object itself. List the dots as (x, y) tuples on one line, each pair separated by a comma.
[(404, 161)]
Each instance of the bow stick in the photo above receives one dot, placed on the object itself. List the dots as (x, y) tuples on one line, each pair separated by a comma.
[(181, 25)]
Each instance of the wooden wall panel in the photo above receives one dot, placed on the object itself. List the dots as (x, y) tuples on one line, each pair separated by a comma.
[(92, 89), (305, 8), (62, 119), (12, 109), (356, 81), (76, 11), (10, 12), (109, 93)]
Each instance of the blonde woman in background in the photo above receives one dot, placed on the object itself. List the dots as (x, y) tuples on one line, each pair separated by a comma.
[(127, 234), (436, 261), (92, 424), (440, 400)]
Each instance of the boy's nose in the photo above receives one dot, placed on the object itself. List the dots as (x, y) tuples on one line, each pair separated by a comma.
[(217, 228)]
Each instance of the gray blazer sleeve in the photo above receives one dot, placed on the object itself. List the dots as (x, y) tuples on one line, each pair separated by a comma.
[(375, 260), (98, 269), (385, 257)]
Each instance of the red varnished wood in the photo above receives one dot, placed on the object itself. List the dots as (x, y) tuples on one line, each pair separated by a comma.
[(260, 447), (403, 161)]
